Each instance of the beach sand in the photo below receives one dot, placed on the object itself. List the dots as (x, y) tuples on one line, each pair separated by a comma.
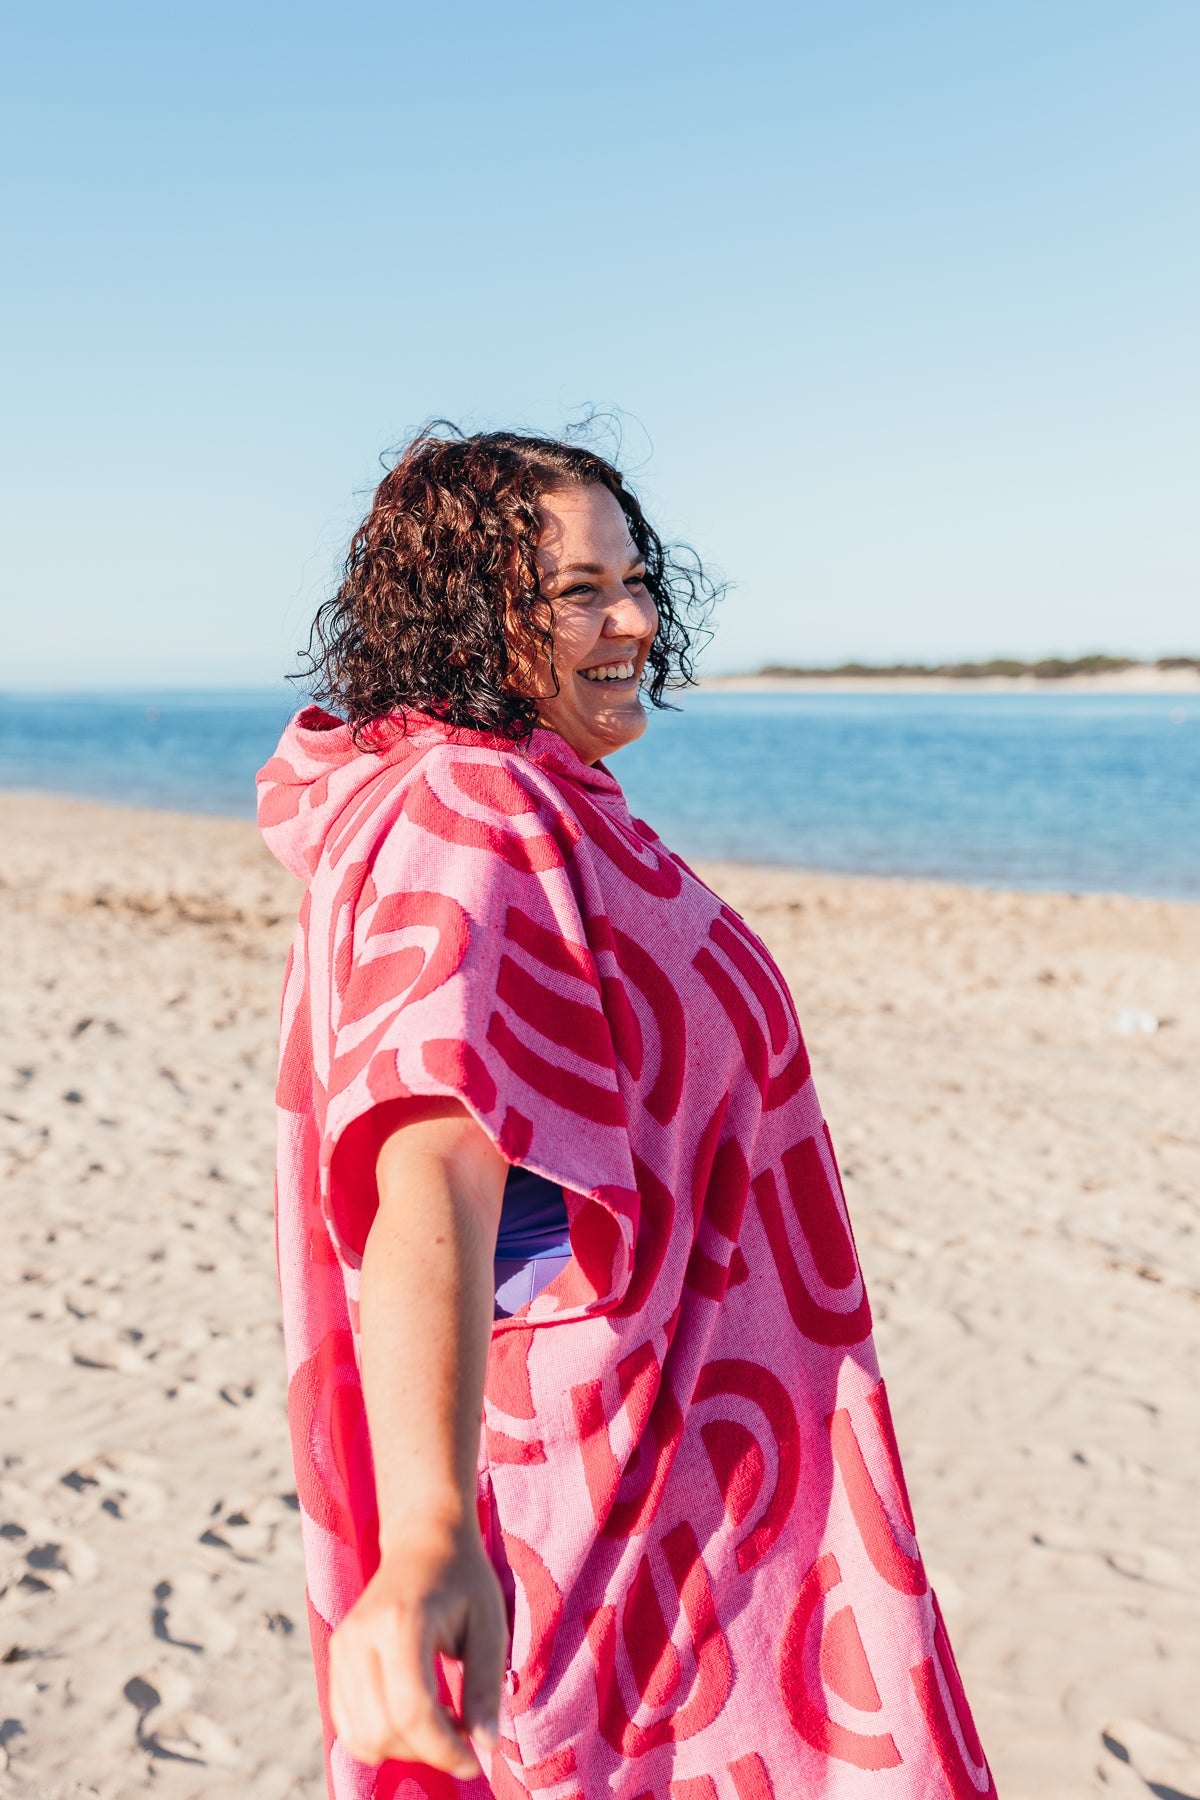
[(1022, 1159)]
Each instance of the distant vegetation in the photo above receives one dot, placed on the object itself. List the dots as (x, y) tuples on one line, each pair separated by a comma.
[(1050, 668)]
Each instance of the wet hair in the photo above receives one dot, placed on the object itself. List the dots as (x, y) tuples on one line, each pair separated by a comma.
[(439, 608)]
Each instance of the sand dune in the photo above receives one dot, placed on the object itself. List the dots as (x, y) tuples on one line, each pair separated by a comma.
[(1011, 1082)]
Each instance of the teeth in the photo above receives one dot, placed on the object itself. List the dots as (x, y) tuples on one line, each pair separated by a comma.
[(610, 672)]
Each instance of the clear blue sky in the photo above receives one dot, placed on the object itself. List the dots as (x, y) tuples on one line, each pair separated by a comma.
[(899, 301)]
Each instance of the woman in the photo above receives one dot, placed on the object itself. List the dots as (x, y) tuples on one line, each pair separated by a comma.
[(551, 1159)]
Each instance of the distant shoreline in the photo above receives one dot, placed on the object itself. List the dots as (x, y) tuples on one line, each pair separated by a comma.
[(1091, 674)]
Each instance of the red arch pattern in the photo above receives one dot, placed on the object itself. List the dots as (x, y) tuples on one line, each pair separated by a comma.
[(689, 1479), (843, 1656)]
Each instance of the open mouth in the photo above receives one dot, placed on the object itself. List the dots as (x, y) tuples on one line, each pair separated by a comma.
[(616, 671)]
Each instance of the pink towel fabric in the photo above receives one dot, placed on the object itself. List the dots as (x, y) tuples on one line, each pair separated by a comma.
[(688, 1479)]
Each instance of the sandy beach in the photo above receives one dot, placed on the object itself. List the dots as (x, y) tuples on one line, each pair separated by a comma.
[(1010, 1079)]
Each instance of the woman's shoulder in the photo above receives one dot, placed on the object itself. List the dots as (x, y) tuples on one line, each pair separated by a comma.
[(488, 808), (503, 776)]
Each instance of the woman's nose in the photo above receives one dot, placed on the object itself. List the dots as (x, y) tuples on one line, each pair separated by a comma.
[(632, 615)]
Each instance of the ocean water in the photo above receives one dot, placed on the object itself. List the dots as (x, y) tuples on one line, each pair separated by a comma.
[(1069, 791)]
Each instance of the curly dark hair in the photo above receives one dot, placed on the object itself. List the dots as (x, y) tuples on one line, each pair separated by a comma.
[(439, 606)]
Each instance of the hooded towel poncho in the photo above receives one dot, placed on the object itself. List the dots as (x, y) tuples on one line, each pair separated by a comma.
[(688, 1480)]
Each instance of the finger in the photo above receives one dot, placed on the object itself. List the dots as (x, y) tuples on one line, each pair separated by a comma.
[(358, 1708), (484, 1649), (427, 1731), (432, 1735)]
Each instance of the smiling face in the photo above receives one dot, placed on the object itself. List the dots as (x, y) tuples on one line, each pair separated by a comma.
[(603, 622)]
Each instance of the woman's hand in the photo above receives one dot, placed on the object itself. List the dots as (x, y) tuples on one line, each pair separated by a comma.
[(434, 1590)]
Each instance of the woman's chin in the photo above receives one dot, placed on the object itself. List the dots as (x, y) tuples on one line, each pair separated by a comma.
[(604, 726)]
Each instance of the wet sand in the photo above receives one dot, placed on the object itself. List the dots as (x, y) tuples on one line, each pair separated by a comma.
[(1011, 1084)]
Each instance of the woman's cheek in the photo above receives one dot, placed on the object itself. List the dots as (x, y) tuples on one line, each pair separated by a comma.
[(571, 644)]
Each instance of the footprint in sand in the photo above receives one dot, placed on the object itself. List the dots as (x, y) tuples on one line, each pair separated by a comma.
[(9, 1729), (91, 1301), (247, 1528), (170, 1730), (262, 1396), (102, 1347), (1168, 1765), (36, 1560), (185, 1616), (1150, 1563), (121, 1483)]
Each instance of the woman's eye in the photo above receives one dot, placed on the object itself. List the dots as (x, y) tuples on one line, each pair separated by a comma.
[(581, 589), (636, 580)]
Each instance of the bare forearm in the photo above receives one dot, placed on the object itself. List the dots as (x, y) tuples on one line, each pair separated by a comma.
[(426, 1322), (427, 1297)]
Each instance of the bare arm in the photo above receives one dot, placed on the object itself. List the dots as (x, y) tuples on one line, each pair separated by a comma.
[(427, 1299)]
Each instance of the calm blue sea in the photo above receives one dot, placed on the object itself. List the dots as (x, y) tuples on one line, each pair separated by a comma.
[(1070, 791)]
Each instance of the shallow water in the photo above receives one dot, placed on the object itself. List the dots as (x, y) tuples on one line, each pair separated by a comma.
[(1097, 791)]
